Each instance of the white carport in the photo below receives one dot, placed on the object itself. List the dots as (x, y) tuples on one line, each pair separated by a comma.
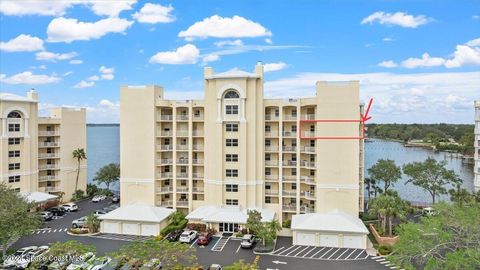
[(332, 229), (135, 219), (37, 197)]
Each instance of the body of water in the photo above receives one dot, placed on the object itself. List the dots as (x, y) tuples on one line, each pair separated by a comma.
[(104, 148)]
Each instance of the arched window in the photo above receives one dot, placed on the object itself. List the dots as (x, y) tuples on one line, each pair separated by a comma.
[(14, 114), (231, 94)]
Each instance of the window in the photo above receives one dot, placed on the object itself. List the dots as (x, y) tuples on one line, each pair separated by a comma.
[(183, 169), (231, 157), (294, 128), (196, 113), (268, 142), (14, 166), (231, 172), (167, 169), (166, 183), (268, 128), (194, 197), (167, 196), (268, 186), (312, 143), (312, 128), (232, 142), (231, 202), (277, 112), (294, 186), (312, 158), (232, 94), (268, 199), (167, 141), (267, 157), (312, 173), (14, 179), (294, 112), (14, 115), (13, 127), (231, 127), (17, 190), (231, 188), (13, 153), (12, 141), (294, 171), (231, 109), (183, 183), (268, 171)]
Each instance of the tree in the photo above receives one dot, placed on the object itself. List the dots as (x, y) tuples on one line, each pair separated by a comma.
[(254, 221), (177, 221), (78, 154), (461, 196), (448, 240), (108, 174), (386, 171), (242, 265), (16, 219), (173, 255), (267, 231), (432, 176), (371, 187), (387, 207), (93, 223)]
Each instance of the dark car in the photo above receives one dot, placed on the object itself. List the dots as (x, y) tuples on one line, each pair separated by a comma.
[(204, 239), (115, 199), (57, 211), (174, 236)]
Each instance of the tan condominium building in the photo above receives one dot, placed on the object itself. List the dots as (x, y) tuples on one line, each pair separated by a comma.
[(236, 150), (477, 146), (36, 152)]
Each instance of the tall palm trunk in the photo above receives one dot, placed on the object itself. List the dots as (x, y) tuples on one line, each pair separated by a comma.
[(78, 175)]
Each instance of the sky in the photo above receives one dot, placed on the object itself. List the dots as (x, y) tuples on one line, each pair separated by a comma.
[(418, 60)]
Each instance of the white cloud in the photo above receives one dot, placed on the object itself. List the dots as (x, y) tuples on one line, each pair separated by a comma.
[(388, 39), (154, 13), (68, 73), (210, 58), (224, 27), (110, 8), (27, 77), (107, 73), (22, 43), (464, 55), (93, 78), (105, 103), (398, 18), (223, 43), (76, 62), (187, 54), (425, 61), (387, 64), (269, 67), (268, 41), (84, 84), (49, 56), (68, 30), (38, 67), (476, 17), (473, 42)]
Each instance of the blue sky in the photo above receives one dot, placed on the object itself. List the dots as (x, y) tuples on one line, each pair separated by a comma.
[(420, 61)]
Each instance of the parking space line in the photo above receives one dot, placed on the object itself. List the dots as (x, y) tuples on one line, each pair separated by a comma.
[(288, 249), (43, 231), (385, 262), (317, 252), (275, 251), (343, 253), (333, 254), (321, 257), (301, 251), (346, 258), (309, 252), (194, 241), (293, 251), (239, 246), (359, 255)]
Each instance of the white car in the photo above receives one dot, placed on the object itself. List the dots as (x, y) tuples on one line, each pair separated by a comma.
[(98, 198), (11, 260), (188, 236), (28, 257), (99, 213), (99, 263), (82, 263), (70, 207), (428, 211)]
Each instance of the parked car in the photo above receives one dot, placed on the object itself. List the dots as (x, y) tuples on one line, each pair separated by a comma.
[(98, 198), (70, 207), (10, 261), (99, 263), (188, 236), (174, 236), (153, 264), (83, 263), (57, 210), (45, 215), (79, 223), (99, 212), (248, 241), (428, 211), (114, 264), (62, 263), (115, 199), (204, 239), (25, 260), (215, 267)]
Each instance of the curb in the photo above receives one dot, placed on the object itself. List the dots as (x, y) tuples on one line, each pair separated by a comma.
[(85, 234)]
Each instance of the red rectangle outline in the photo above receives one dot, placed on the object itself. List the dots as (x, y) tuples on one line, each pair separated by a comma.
[(362, 126)]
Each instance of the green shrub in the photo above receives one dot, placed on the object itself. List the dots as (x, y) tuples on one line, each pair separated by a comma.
[(384, 250), (78, 230), (78, 195), (91, 190), (259, 248), (287, 223), (199, 227), (173, 227)]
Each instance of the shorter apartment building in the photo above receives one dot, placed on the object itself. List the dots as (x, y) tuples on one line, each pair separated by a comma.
[(477, 146), (36, 152)]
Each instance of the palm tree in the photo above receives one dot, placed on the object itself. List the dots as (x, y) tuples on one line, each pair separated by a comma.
[(80, 155)]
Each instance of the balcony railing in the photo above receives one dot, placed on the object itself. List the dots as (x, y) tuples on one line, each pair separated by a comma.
[(198, 147), (49, 167), (182, 161), (271, 162), (49, 133), (166, 189), (289, 148), (290, 163), (289, 117), (164, 175), (182, 132), (271, 177), (197, 133), (51, 189), (271, 133), (164, 161), (271, 192), (48, 144), (197, 189), (182, 203), (197, 175), (164, 147), (48, 155), (182, 117), (271, 148), (182, 175), (308, 149), (45, 178), (289, 134), (309, 164), (166, 117), (197, 161), (168, 203), (306, 209), (291, 193), (166, 133), (308, 194), (271, 117), (182, 189), (308, 134), (289, 208), (182, 147), (307, 180), (289, 178), (198, 117), (308, 116)]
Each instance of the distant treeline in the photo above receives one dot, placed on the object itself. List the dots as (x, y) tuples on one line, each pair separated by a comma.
[(103, 125), (443, 136)]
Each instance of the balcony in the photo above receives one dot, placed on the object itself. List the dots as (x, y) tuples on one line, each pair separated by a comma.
[(289, 178), (164, 133), (164, 161), (306, 209), (198, 117), (182, 117), (197, 175), (308, 195), (271, 162), (182, 189), (182, 133), (197, 133), (48, 144), (182, 147), (168, 203), (289, 148), (166, 189), (308, 149), (182, 161), (307, 180), (164, 175), (197, 147), (46, 178), (289, 208), (48, 155), (289, 193), (197, 189), (49, 167), (271, 177), (271, 133), (50, 189), (307, 164), (289, 117), (289, 134), (48, 133), (289, 163), (271, 148), (182, 175), (308, 116), (197, 161), (164, 147), (308, 134), (165, 117), (271, 117), (182, 203), (271, 192)]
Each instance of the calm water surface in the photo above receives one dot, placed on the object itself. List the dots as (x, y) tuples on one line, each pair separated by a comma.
[(104, 145)]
